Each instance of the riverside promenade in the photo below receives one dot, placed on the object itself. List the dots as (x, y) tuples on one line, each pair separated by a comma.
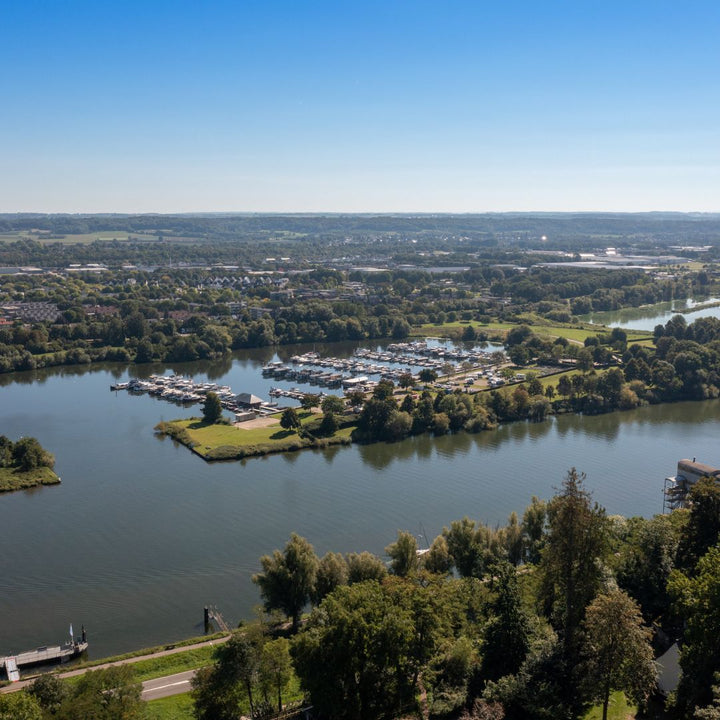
[(14, 687)]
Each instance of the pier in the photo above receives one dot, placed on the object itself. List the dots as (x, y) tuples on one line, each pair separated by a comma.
[(43, 655)]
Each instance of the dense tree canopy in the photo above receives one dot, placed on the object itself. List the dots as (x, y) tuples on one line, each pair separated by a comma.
[(288, 578)]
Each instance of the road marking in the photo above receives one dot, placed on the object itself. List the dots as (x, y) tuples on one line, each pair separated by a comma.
[(162, 687)]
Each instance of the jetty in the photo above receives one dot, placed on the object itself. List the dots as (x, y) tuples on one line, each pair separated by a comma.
[(183, 390), (44, 655)]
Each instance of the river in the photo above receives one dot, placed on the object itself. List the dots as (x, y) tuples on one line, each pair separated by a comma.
[(142, 533), (647, 317)]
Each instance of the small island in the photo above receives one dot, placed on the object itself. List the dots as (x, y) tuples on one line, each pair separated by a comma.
[(25, 464), (214, 438)]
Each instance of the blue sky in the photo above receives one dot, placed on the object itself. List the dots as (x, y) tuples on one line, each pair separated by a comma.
[(448, 106)]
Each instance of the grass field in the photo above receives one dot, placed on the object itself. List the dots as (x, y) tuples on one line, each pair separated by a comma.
[(13, 479), (171, 664), (177, 707), (102, 236), (618, 709), (217, 442), (574, 333)]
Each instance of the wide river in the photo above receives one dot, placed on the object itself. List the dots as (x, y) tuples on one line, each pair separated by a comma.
[(647, 317), (142, 533)]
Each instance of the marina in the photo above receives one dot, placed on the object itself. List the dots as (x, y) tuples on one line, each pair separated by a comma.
[(142, 533), (184, 390), (362, 371), (398, 362)]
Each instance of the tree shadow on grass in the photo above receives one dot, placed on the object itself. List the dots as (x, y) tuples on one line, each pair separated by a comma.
[(282, 434)]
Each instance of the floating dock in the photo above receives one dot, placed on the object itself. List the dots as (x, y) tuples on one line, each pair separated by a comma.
[(42, 655)]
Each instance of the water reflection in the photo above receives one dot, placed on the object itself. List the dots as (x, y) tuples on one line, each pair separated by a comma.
[(648, 316), (142, 533)]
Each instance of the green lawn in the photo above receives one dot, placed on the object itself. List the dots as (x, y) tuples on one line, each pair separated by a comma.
[(618, 709), (576, 333), (177, 707), (14, 479), (226, 441), (171, 664)]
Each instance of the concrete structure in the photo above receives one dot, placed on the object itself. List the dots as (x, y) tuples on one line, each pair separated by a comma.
[(678, 486)]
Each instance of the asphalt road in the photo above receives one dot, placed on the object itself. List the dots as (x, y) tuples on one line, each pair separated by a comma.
[(166, 686), (14, 687)]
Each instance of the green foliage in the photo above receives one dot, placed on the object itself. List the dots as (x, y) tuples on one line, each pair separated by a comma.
[(289, 420), (358, 656), (215, 697), (212, 409), (473, 549), (506, 640), (403, 554), (617, 649), (111, 694), (28, 454), (646, 561), (288, 578), (448, 674), (703, 527), (49, 692), (20, 706), (712, 711), (275, 670), (329, 424), (15, 479), (698, 602), (309, 400), (332, 404), (533, 529), (577, 543), (365, 566), (332, 571), (437, 559)]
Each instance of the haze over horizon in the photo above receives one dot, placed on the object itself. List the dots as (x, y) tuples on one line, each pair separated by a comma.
[(386, 107)]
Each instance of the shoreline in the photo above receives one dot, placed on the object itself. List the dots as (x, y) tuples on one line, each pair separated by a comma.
[(12, 479)]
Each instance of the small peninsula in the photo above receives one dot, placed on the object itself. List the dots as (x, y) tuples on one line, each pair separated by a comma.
[(25, 464)]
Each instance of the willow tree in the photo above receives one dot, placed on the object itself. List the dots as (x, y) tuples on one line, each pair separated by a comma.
[(288, 578)]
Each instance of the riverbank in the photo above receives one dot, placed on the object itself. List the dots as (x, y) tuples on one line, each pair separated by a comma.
[(12, 478), (214, 442), (149, 663)]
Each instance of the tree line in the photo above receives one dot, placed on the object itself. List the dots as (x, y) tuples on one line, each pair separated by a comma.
[(24, 454), (540, 618)]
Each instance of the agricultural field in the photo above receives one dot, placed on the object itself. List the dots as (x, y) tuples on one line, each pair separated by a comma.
[(85, 238)]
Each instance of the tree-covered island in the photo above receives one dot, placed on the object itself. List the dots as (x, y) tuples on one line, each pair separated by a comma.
[(25, 464)]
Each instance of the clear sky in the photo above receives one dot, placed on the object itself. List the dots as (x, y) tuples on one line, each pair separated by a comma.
[(363, 106)]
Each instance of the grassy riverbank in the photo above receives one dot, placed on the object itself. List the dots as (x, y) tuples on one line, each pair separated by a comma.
[(574, 332), (12, 478), (234, 442)]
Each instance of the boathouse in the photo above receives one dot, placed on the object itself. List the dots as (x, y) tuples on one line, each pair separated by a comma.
[(688, 473), (248, 401)]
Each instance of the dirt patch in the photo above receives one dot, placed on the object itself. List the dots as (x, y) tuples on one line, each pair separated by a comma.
[(260, 422)]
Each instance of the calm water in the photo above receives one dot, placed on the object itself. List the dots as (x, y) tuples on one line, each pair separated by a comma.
[(648, 316), (141, 533)]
